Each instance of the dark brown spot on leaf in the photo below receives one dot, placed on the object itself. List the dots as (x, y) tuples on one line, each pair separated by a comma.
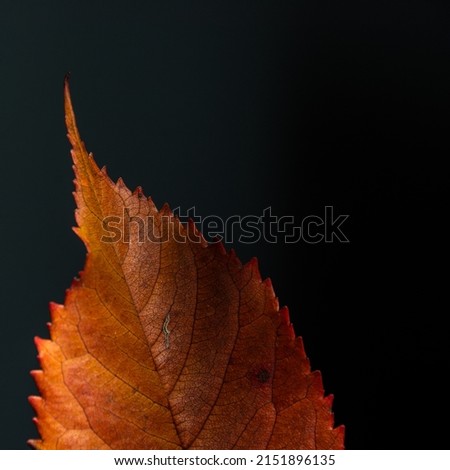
[(263, 376)]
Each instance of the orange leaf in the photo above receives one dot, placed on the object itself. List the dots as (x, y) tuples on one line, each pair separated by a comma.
[(169, 344)]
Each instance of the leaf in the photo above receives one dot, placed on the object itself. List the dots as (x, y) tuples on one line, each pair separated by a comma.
[(169, 344)]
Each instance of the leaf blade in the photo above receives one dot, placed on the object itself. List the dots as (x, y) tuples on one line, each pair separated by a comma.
[(169, 344)]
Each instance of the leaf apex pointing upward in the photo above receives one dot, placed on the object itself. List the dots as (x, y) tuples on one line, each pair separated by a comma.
[(169, 344)]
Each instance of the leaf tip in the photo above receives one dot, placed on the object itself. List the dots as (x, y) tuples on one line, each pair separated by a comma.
[(76, 281), (38, 341), (72, 131), (120, 183), (194, 233), (34, 443), (284, 313), (218, 245), (253, 265), (137, 192), (340, 431), (35, 401), (67, 99), (233, 257), (54, 308), (165, 210)]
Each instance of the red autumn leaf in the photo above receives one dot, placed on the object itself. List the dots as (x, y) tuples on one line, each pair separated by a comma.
[(169, 344)]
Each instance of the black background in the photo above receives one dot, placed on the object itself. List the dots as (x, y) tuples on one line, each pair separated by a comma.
[(231, 107)]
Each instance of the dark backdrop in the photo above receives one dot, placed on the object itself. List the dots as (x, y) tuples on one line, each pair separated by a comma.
[(234, 106)]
